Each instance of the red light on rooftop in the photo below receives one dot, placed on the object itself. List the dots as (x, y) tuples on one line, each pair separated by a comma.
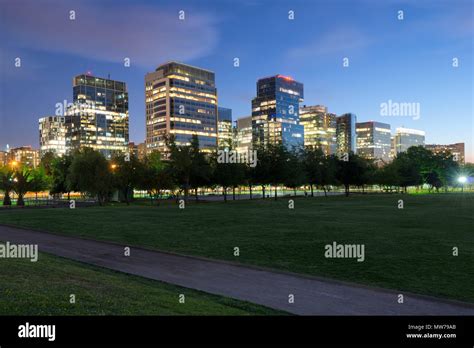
[(288, 78)]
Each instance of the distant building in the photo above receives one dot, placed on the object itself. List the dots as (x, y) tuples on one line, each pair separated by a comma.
[(405, 138), (243, 134), (224, 127), (24, 155), (319, 128), (52, 134), (98, 117), (275, 112), (457, 150), (346, 136), (373, 140), (141, 151), (180, 100), (3, 158)]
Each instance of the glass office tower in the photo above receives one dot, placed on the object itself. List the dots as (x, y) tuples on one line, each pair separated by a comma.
[(405, 138), (275, 112), (180, 100), (224, 128), (243, 134), (52, 133), (346, 136), (98, 117), (373, 140), (319, 128)]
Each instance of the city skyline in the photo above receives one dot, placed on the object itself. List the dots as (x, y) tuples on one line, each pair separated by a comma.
[(326, 83)]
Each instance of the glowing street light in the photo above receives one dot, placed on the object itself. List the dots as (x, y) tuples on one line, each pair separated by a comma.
[(462, 180), (113, 166), (14, 164)]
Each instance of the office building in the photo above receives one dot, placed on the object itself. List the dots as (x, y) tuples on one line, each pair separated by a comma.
[(373, 140), (3, 158), (98, 117), (181, 100), (52, 135), (25, 156), (346, 136), (319, 128), (243, 134), (405, 138), (275, 112), (224, 128), (456, 150)]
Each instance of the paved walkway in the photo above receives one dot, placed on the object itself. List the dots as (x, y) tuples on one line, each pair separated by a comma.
[(312, 296)]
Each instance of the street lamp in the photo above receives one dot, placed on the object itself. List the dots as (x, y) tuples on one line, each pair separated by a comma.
[(462, 180), (113, 166), (14, 164)]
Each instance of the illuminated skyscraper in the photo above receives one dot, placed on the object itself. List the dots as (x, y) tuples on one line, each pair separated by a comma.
[(275, 112), (319, 128), (52, 133), (405, 138), (224, 127), (346, 136), (180, 100), (243, 134), (456, 150), (98, 117), (373, 140)]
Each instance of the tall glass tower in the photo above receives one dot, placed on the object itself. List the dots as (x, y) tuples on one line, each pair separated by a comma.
[(181, 100), (98, 116), (275, 112)]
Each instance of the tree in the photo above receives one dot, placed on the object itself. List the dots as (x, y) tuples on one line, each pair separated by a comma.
[(295, 173), (39, 180), (22, 183), (47, 162), (59, 175), (181, 164), (320, 169), (90, 173), (6, 184), (200, 174), (155, 176), (126, 174), (350, 172)]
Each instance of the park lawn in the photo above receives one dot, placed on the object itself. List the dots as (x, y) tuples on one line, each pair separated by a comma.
[(405, 249), (44, 288)]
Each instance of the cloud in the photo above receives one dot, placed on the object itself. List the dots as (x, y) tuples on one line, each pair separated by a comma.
[(109, 31), (342, 40)]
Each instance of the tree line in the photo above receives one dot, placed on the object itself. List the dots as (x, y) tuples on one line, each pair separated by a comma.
[(184, 170)]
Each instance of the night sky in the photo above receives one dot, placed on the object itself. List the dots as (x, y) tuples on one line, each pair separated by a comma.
[(406, 60)]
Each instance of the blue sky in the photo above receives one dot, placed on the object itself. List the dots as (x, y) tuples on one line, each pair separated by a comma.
[(389, 59)]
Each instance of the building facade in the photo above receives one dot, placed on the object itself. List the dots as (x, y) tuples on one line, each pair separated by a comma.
[(52, 134), (3, 158), (457, 150), (405, 138), (346, 136), (180, 100), (243, 134), (275, 112), (24, 155), (224, 128), (373, 140), (319, 128), (98, 117)]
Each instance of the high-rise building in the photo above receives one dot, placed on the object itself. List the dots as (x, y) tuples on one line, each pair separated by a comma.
[(52, 134), (456, 150), (3, 158), (180, 100), (243, 134), (346, 136), (141, 151), (319, 128), (98, 116), (373, 140), (405, 138), (24, 155), (224, 127), (275, 112)]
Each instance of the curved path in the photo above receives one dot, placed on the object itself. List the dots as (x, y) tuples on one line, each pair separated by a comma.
[(312, 296)]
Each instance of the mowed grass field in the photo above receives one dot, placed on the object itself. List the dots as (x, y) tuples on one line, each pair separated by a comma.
[(407, 249), (44, 288)]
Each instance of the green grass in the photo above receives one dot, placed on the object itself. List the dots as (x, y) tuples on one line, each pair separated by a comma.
[(44, 288), (407, 249)]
